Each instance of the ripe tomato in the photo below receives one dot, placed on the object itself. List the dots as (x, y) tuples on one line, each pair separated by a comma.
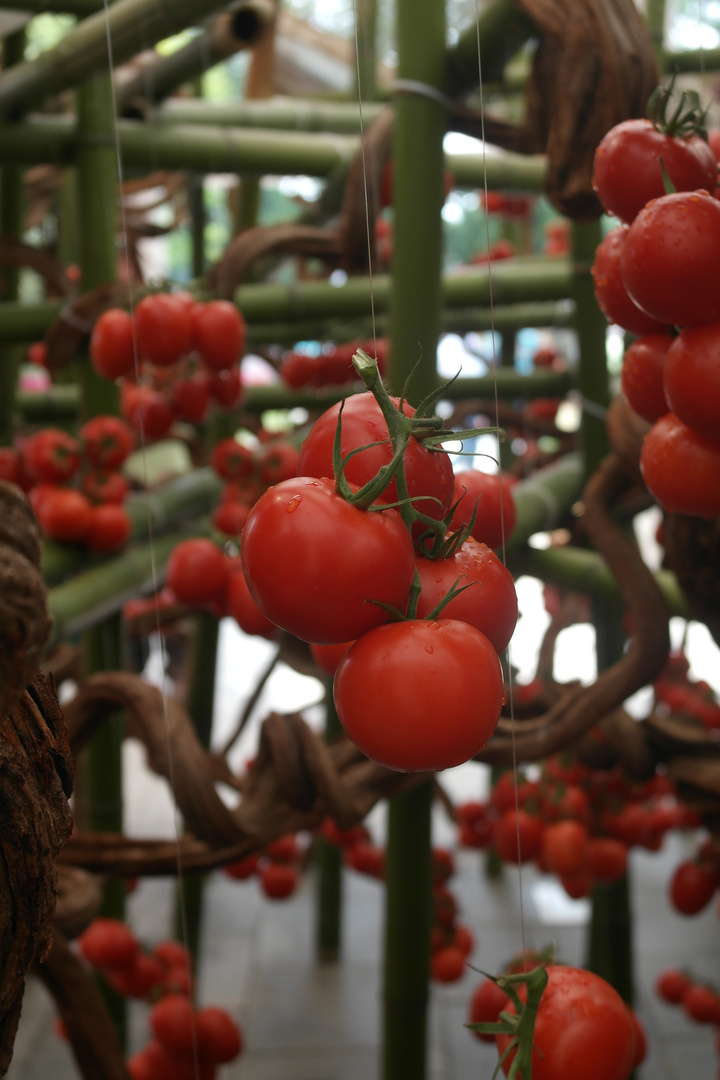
[(148, 411), (230, 517), (226, 387), (173, 954), (327, 657), (493, 497), (191, 397), (681, 468), (106, 441), (298, 369), (671, 985), (366, 858), (627, 172), (64, 515), (231, 460), (109, 528), (607, 859), (692, 887), (112, 344), (37, 353), (420, 695), (171, 1022), (582, 1029), (108, 943), (242, 869), (448, 964), (276, 461), (486, 1004), (428, 472), (219, 333), (517, 836), (313, 562), (610, 292), (565, 847), (196, 571), (489, 604), (670, 261), (691, 378), (642, 376), (241, 607), (219, 1037), (105, 487), (278, 880), (163, 329), (139, 980), (10, 468), (51, 455), (702, 1004)]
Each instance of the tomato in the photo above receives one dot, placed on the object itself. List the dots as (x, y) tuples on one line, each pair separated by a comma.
[(489, 603), (691, 378), (313, 562), (64, 515), (610, 292), (464, 939), (681, 468), (702, 1004), (163, 329), (640, 1038), (106, 441), (148, 411), (219, 333), (565, 847), (51, 455), (242, 869), (139, 980), (670, 261), (627, 173), (191, 397), (102, 487), (226, 387), (428, 472), (447, 965), (692, 887), (445, 906), (171, 1022), (327, 657), (607, 859), (278, 880), (517, 836), (486, 1004), (671, 985), (491, 496), (37, 353), (420, 695), (582, 1029), (196, 571), (283, 849), (366, 858), (112, 344), (230, 517), (231, 460), (108, 943), (10, 468), (443, 864), (642, 376), (218, 1036), (173, 954), (157, 1062), (276, 461), (298, 369), (109, 528)]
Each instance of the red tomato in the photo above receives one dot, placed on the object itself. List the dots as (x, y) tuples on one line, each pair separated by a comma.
[(219, 333), (51, 455), (173, 954), (517, 836), (447, 965), (108, 943), (702, 1004), (226, 387), (486, 1004), (219, 1037), (607, 859), (191, 397), (464, 939), (299, 369), (490, 602), (327, 657), (276, 461), (109, 528), (64, 515), (671, 985), (420, 695), (691, 378), (284, 849), (171, 1022), (149, 412), (139, 980), (610, 292), (313, 562), (681, 468), (101, 487), (106, 441), (642, 376), (627, 172), (230, 517), (10, 468), (242, 869), (163, 329), (565, 847), (196, 571), (37, 353), (492, 495), (278, 880), (670, 261), (112, 344), (692, 887), (582, 1029), (366, 858), (428, 472), (231, 460)]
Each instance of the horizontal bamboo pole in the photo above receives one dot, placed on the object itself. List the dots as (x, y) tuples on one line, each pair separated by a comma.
[(206, 149), (543, 500), (691, 61), (277, 113), (80, 8), (188, 497), (131, 25)]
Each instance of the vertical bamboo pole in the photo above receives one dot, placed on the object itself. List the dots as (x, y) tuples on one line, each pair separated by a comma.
[(328, 861), (655, 15), (609, 946), (11, 213), (366, 84), (415, 323), (260, 85)]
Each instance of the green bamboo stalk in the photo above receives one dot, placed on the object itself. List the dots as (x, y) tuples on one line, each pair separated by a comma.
[(133, 25), (80, 8), (329, 867), (503, 29), (655, 17), (691, 61), (544, 500), (27, 322), (196, 205), (289, 114), (366, 30), (592, 329)]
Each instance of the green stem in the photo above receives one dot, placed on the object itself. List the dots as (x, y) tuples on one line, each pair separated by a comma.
[(329, 865)]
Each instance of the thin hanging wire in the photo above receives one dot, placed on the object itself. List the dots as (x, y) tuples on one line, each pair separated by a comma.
[(365, 182), (497, 424)]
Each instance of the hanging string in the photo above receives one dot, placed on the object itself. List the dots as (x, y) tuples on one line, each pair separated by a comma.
[(497, 425), (365, 181)]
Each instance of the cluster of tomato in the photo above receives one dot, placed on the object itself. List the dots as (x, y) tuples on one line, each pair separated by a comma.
[(695, 881), (677, 693), (183, 1036), (574, 822), (655, 276), (332, 366), (74, 484), (331, 571), (275, 867), (582, 1026), (175, 354), (451, 942), (247, 472), (700, 1001)]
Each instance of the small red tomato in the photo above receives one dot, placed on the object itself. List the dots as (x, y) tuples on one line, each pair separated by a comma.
[(231, 460), (607, 859), (196, 571), (702, 1004), (106, 441), (51, 455), (681, 468), (692, 887), (491, 497), (219, 333), (230, 517), (10, 468), (163, 329), (64, 515), (486, 1004), (517, 836), (366, 858), (242, 869), (278, 880), (112, 344), (448, 964), (671, 985), (284, 849), (691, 378), (564, 847), (327, 657), (610, 292), (642, 376), (171, 1022), (191, 397), (299, 369), (277, 461), (139, 980), (109, 528), (102, 487), (226, 387), (219, 1037), (108, 943), (241, 607)]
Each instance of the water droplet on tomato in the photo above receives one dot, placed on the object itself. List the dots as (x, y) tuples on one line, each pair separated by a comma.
[(293, 504), (429, 649), (504, 699)]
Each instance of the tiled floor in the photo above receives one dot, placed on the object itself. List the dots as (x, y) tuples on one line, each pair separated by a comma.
[(304, 1021)]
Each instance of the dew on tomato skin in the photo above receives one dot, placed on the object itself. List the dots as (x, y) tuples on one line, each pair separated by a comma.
[(429, 649), (293, 504)]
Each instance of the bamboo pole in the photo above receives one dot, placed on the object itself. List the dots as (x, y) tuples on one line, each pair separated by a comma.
[(366, 30), (79, 8), (655, 17), (132, 25), (329, 867), (284, 114)]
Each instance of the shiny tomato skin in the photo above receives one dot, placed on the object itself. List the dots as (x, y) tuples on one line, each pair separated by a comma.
[(64, 514), (109, 528), (240, 606), (112, 344), (51, 455), (627, 173), (226, 387), (191, 397), (163, 329), (196, 571), (670, 261), (610, 292), (106, 441), (489, 603), (219, 333), (565, 847), (681, 469), (641, 379), (692, 887), (691, 378), (496, 510), (582, 1029), (420, 695), (313, 562), (105, 487), (428, 472), (517, 836)]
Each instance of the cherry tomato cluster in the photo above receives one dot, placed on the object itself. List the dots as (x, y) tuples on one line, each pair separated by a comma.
[(451, 942), (74, 484), (331, 367), (181, 1033), (695, 881), (677, 693), (175, 355), (247, 474), (275, 867), (655, 276), (700, 1001)]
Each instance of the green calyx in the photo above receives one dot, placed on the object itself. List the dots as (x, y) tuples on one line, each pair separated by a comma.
[(688, 117), (521, 1025)]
